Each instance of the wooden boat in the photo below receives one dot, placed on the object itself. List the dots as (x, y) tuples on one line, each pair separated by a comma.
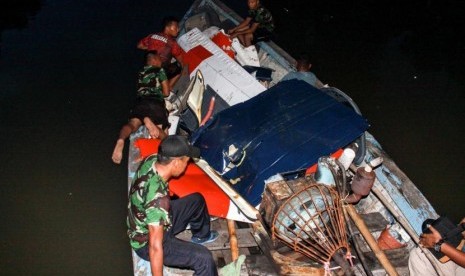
[(219, 93)]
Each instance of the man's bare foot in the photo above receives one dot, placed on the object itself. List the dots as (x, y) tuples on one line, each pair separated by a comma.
[(118, 151)]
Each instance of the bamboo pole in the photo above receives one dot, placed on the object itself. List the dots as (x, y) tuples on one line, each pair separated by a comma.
[(233, 239), (358, 250), (350, 209), (378, 189), (379, 194)]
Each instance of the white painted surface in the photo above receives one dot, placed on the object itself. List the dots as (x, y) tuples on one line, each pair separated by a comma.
[(221, 73)]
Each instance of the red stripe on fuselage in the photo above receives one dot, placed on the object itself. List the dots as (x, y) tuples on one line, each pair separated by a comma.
[(195, 56)]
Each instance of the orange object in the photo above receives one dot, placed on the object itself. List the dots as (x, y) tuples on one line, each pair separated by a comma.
[(209, 112), (196, 180), (224, 42), (312, 169), (193, 180), (147, 146), (387, 241)]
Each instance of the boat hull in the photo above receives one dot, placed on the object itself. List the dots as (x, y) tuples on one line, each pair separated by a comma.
[(394, 198)]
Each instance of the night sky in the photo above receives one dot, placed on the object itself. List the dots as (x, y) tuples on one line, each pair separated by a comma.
[(67, 80)]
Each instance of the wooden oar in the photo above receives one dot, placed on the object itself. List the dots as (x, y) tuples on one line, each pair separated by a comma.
[(350, 209)]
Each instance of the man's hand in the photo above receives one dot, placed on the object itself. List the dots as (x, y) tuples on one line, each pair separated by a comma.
[(429, 240), (141, 46)]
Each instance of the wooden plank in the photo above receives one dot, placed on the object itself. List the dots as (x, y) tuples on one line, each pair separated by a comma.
[(258, 265), (244, 236), (361, 225), (398, 258), (222, 257), (374, 221)]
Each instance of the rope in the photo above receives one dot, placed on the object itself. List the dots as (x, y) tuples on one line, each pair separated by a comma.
[(349, 257), (328, 269)]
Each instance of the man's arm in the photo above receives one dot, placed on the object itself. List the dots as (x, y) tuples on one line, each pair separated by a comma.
[(241, 27), (245, 31), (429, 240), (165, 88), (319, 84), (156, 249), (178, 53), (454, 254), (142, 44)]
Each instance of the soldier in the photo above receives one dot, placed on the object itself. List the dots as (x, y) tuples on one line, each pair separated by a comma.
[(257, 26), (165, 44), (154, 219), (150, 108)]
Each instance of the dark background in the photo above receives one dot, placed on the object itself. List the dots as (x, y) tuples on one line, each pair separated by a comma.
[(67, 78)]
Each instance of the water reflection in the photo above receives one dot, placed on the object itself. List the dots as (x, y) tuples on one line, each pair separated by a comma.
[(425, 30), (401, 62)]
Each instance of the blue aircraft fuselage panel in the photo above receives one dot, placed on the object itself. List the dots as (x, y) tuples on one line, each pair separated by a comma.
[(286, 128)]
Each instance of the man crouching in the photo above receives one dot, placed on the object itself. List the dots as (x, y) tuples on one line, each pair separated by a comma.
[(154, 219)]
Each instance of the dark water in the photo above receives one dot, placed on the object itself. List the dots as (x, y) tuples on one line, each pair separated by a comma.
[(67, 80), (402, 62)]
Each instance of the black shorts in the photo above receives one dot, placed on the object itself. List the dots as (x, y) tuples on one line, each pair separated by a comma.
[(262, 34), (154, 109), (172, 69)]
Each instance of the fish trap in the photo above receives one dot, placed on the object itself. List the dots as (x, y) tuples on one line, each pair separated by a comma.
[(311, 221)]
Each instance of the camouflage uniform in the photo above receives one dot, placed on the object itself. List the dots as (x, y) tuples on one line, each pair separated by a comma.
[(149, 203), (149, 83), (150, 100), (263, 17)]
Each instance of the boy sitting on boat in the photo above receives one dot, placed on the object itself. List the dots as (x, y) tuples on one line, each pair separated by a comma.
[(150, 108), (257, 26), (454, 262), (165, 44), (154, 219)]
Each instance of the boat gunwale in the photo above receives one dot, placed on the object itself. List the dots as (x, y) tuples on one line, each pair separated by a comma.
[(395, 185), (281, 56), (422, 208)]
